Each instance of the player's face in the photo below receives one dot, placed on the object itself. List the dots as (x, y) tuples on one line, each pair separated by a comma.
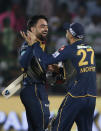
[(41, 29)]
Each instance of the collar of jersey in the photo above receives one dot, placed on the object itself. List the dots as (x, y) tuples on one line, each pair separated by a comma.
[(78, 42), (43, 42)]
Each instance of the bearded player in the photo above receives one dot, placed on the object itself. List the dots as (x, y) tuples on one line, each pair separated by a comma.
[(33, 95)]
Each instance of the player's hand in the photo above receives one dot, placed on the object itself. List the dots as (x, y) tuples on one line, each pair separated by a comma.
[(32, 37), (29, 37)]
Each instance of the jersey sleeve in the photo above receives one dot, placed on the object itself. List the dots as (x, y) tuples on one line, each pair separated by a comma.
[(57, 56), (25, 55)]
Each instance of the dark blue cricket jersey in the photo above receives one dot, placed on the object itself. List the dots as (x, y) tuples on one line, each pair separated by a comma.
[(82, 57), (26, 55)]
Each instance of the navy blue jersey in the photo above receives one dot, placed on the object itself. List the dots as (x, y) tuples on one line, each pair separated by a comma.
[(26, 55), (82, 57)]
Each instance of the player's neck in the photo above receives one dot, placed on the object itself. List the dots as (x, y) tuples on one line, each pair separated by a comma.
[(72, 41)]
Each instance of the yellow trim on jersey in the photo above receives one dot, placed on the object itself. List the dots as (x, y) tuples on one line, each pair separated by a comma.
[(80, 96), (64, 70), (40, 104), (42, 46), (22, 69), (39, 66), (61, 113)]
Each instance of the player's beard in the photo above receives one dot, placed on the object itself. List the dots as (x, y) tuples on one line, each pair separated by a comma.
[(41, 37)]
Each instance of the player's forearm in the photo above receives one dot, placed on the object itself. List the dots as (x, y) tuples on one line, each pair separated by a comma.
[(47, 59)]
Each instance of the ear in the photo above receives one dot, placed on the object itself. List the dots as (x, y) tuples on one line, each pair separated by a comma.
[(32, 29)]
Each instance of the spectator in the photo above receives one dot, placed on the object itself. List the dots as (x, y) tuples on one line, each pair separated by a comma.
[(95, 25), (8, 35), (20, 21), (94, 7), (94, 32), (4, 5), (72, 4), (33, 7), (2, 48), (82, 16), (46, 8), (4, 15), (64, 15), (54, 25)]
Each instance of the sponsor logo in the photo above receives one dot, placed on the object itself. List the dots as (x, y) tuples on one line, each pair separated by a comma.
[(46, 105), (15, 122), (62, 48), (56, 54), (83, 47)]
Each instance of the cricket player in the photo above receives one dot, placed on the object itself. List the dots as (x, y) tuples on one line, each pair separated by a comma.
[(79, 103), (33, 95)]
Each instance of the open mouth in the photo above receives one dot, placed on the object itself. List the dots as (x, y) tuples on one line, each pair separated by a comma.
[(44, 33)]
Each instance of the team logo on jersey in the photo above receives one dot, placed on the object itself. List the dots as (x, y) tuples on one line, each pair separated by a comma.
[(62, 48), (23, 52), (56, 54)]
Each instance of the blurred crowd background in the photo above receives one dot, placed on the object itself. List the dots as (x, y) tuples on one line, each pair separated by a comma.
[(14, 15)]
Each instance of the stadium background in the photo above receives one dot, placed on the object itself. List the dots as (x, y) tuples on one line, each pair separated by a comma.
[(13, 17)]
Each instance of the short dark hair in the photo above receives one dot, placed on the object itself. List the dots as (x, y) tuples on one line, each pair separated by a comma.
[(34, 19)]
